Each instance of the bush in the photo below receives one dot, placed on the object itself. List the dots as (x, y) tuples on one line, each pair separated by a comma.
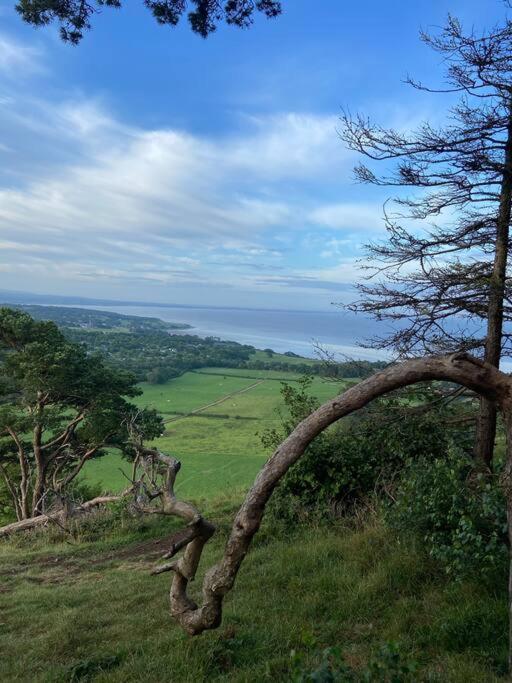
[(459, 514), (104, 522), (361, 455)]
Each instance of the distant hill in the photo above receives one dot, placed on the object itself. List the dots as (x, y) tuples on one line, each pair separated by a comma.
[(90, 319), (17, 297)]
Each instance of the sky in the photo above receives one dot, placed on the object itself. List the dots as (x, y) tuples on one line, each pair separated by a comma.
[(148, 164)]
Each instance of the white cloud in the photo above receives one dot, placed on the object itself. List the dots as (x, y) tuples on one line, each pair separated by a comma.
[(349, 216), (335, 247), (163, 183), (18, 59), (121, 205), (288, 145)]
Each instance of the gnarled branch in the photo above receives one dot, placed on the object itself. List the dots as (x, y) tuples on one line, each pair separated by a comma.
[(462, 369)]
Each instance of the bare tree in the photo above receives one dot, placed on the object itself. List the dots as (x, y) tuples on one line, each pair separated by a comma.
[(446, 284)]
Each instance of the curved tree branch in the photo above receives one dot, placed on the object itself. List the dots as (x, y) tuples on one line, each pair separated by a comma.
[(462, 369)]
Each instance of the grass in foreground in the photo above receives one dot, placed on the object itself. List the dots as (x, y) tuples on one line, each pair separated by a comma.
[(92, 612)]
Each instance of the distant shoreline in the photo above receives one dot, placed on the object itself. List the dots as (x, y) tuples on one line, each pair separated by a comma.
[(299, 332), (32, 299)]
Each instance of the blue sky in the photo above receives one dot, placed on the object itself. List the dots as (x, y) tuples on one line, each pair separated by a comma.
[(148, 164)]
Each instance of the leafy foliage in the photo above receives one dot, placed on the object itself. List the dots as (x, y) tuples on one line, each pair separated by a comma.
[(74, 16), (363, 454), (60, 408), (460, 515), (156, 356)]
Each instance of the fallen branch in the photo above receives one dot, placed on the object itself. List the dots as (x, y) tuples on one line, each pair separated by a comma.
[(61, 516)]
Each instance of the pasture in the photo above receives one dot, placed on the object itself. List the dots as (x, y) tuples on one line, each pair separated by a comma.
[(219, 446)]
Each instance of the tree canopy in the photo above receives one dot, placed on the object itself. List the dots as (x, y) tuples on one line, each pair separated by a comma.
[(74, 16), (59, 407)]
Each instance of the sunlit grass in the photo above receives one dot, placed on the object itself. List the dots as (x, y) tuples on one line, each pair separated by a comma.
[(220, 447)]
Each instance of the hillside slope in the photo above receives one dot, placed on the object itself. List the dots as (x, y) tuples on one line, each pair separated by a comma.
[(92, 611)]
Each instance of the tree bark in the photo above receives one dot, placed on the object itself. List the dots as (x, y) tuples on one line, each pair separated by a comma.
[(40, 482), (218, 581), (23, 503), (486, 423), (60, 516)]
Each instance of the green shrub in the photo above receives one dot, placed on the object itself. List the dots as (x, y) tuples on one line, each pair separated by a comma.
[(361, 455), (104, 522), (458, 513)]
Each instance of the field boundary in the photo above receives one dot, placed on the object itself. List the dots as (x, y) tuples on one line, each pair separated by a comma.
[(230, 374), (215, 403)]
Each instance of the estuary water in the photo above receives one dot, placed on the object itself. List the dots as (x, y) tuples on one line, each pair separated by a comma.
[(337, 331)]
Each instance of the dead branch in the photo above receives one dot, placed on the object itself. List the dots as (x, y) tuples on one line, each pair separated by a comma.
[(60, 516), (193, 537)]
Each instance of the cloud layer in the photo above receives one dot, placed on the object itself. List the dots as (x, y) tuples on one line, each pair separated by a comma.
[(92, 202)]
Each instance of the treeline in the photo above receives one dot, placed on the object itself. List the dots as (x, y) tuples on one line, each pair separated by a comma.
[(352, 368), (156, 356)]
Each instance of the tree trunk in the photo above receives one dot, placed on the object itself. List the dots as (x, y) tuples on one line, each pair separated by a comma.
[(485, 433), (486, 424), (24, 478), (40, 482), (480, 377)]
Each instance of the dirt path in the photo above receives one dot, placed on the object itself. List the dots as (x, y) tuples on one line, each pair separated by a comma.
[(215, 403), (59, 568)]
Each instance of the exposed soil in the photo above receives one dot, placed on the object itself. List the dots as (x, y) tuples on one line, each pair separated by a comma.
[(57, 567)]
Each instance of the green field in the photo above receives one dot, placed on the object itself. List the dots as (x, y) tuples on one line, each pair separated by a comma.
[(281, 358), (188, 392), (220, 447)]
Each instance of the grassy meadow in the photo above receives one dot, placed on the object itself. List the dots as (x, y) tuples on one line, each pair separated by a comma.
[(88, 610), (220, 446)]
